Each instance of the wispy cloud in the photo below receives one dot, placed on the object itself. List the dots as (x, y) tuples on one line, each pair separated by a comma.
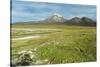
[(30, 11)]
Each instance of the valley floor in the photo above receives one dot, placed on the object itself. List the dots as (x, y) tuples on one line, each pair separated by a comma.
[(54, 44)]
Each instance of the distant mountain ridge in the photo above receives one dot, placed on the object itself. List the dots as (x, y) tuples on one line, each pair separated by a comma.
[(57, 18), (84, 21)]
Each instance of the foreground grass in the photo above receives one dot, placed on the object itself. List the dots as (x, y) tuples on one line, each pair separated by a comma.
[(68, 44)]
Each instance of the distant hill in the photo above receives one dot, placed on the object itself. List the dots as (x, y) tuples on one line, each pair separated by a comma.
[(59, 19), (84, 21)]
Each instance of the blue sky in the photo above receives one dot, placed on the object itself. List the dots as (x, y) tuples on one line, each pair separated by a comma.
[(34, 11)]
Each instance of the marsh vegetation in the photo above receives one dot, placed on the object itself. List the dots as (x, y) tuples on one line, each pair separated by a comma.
[(55, 44)]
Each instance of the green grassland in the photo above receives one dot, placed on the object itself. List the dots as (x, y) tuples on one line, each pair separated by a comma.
[(57, 44)]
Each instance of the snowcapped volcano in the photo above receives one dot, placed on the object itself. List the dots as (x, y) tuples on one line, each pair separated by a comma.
[(56, 17)]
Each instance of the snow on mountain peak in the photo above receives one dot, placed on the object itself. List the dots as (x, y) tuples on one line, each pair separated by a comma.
[(57, 14)]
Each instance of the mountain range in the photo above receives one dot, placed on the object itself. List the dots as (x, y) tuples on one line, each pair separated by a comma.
[(57, 18)]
